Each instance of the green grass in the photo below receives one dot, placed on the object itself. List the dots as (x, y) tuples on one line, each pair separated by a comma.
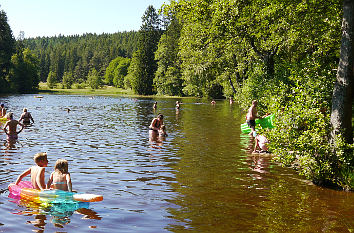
[(105, 90)]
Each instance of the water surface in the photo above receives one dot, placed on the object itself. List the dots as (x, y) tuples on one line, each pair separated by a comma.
[(201, 178)]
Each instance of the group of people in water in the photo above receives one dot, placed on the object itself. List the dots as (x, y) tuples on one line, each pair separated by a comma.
[(59, 178), (157, 126)]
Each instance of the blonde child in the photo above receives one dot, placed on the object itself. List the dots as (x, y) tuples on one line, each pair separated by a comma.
[(60, 177), (37, 172)]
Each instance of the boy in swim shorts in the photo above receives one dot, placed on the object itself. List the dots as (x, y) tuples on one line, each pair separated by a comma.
[(37, 172)]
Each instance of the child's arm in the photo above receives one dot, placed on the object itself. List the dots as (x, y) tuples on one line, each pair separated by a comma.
[(22, 126), (68, 182), (50, 181), (40, 178), (20, 177)]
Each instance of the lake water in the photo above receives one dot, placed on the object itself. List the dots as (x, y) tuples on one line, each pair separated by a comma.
[(201, 178)]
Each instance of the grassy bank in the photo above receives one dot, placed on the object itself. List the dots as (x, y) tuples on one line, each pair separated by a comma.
[(105, 90)]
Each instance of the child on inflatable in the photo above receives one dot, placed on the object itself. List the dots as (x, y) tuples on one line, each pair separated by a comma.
[(60, 177), (37, 172)]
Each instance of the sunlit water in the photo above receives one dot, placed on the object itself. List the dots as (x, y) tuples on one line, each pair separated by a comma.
[(201, 178)]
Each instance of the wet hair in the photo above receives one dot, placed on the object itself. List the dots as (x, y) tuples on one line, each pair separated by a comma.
[(40, 157), (62, 166), (10, 115)]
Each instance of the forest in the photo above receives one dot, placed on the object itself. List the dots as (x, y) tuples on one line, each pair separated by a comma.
[(294, 57)]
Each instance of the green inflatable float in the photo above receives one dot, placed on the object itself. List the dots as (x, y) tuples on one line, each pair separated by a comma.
[(266, 122)]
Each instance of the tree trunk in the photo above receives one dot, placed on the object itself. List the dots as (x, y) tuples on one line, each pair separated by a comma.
[(341, 116)]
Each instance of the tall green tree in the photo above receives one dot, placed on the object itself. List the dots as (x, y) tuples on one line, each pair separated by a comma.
[(7, 48), (168, 80), (24, 73), (148, 38)]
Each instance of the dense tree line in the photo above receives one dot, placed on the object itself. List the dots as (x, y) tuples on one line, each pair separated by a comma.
[(74, 57)]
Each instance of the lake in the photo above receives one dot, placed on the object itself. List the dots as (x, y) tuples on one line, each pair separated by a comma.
[(201, 178)]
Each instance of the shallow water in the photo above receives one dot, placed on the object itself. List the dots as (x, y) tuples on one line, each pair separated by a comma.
[(201, 178)]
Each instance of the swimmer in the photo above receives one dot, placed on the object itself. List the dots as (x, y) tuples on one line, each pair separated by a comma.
[(261, 143), (162, 131), (60, 177), (37, 172), (26, 117), (2, 111), (12, 124), (156, 123), (155, 106)]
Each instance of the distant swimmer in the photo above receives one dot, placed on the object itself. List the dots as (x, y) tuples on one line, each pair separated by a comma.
[(155, 106), (11, 124), (26, 117), (213, 102), (2, 111), (178, 105)]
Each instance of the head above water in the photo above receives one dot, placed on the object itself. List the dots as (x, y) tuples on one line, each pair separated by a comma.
[(160, 116), (42, 156), (62, 166), (10, 115)]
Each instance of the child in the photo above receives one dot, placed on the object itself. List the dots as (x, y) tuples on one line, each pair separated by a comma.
[(37, 172), (162, 131), (60, 177), (261, 143)]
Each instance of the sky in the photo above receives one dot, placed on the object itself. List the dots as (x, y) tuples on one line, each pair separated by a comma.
[(75, 17)]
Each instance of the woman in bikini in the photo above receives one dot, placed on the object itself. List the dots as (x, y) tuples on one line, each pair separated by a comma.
[(60, 178), (156, 123)]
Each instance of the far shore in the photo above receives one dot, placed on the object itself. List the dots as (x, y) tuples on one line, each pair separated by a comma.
[(105, 90)]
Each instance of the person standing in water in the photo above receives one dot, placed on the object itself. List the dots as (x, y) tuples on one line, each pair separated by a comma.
[(156, 123), (155, 106), (11, 124), (26, 117), (2, 111), (251, 116)]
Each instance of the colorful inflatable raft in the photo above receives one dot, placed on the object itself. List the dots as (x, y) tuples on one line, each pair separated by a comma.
[(24, 190), (3, 119), (266, 122)]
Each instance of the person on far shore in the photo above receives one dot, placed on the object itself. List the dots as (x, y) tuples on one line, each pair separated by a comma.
[(37, 172), (251, 117), (2, 111), (60, 177), (11, 124), (155, 106), (26, 117), (213, 102)]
